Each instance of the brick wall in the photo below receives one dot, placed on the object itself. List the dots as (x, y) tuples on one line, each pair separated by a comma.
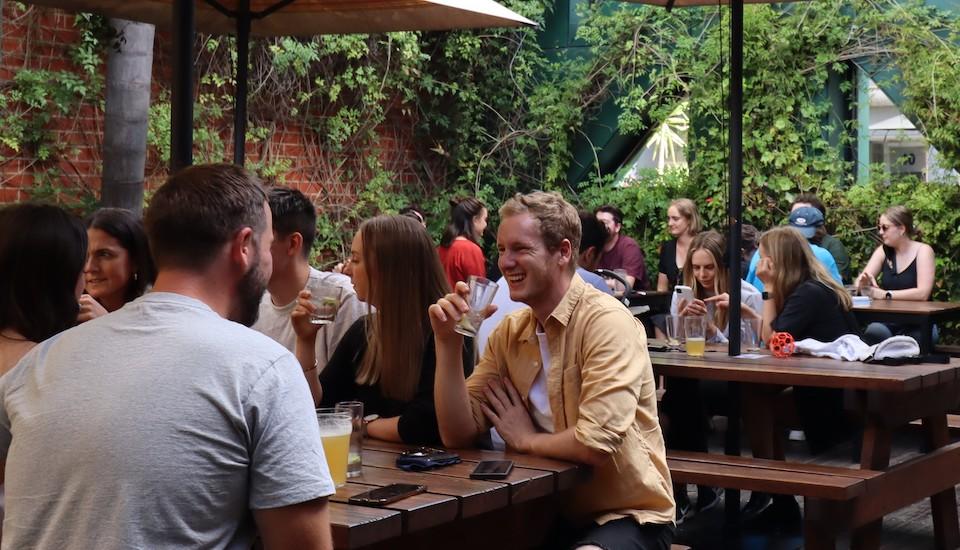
[(37, 39)]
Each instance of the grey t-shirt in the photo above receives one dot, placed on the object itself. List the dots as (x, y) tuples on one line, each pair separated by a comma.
[(274, 321), (161, 425)]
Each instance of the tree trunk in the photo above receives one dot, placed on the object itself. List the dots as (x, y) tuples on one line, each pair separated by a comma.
[(127, 108)]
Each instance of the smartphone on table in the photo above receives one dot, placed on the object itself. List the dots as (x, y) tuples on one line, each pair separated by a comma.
[(492, 469), (385, 495)]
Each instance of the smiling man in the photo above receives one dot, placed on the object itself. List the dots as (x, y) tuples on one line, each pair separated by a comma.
[(568, 378)]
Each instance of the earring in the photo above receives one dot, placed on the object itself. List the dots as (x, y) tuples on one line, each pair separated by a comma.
[(136, 276)]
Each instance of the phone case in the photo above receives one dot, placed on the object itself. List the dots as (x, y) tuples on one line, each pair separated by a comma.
[(425, 458)]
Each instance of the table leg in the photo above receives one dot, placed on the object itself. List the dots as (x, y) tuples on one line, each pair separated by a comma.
[(926, 338), (943, 505), (874, 455), (731, 446), (759, 402)]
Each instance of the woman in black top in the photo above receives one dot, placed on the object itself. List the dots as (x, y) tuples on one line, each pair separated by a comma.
[(906, 269), (802, 299), (386, 359), (683, 222)]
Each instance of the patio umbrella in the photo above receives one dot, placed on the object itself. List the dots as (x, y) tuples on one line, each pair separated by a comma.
[(268, 18), (735, 161)]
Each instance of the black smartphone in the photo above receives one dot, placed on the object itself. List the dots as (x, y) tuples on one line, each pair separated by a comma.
[(386, 494), (492, 469)]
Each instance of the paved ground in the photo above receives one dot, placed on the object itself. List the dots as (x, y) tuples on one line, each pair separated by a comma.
[(908, 529)]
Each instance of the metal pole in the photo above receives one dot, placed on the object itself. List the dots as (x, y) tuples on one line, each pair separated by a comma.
[(735, 199), (181, 97), (243, 69)]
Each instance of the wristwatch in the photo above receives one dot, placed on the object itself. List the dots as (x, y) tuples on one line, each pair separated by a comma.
[(765, 295), (888, 295)]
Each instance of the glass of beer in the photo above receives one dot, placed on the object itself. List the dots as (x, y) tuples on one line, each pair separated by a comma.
[(694, 327), (354, 458), (482, 291), (335, 429)]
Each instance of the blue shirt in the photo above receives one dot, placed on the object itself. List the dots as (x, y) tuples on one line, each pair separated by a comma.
[(822, 254)]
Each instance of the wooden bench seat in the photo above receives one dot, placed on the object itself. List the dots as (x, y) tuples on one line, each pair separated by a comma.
[(836, 499), (769, 476)]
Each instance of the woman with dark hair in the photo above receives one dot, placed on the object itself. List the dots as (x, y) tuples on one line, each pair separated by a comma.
[(42, 250), (906, 268), (119, 268), (387, 358), (460, 252)]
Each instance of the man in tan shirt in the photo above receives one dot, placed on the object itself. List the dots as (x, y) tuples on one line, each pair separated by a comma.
[(568, 378)]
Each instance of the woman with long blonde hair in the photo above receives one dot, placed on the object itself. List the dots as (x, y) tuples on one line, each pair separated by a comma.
[(803, 299), (706, 273), (683, 223), (386, 359)]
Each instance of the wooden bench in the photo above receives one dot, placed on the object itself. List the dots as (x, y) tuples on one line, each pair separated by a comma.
[(836, 499)]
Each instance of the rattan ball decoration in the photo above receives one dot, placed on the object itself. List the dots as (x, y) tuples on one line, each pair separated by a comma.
[(781, 344)]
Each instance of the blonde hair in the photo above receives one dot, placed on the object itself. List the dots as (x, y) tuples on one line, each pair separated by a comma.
[(688, 209), (398, 247), (558, 219), (712, 243), (795, 263)]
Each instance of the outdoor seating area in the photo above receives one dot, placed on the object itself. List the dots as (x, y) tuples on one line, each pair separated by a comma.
[(479, 274)]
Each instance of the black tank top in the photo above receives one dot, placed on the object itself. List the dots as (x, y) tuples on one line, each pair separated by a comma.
[(891, 280)]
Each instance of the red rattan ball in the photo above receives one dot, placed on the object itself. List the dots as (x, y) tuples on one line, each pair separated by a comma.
[(781, 344)]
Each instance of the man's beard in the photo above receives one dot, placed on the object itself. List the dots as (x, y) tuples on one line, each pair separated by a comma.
[(249, 293)]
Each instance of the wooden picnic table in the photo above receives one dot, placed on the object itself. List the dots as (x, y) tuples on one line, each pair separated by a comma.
[(883, 397), (455, 510), (909, 312)]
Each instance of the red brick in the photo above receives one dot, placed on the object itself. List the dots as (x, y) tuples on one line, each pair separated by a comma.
[(9, 195)]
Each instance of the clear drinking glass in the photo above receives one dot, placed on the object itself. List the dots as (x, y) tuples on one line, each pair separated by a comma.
[(335, 429), (355, 455), (694, 328), (328, 303), (482, 291), (673, 330), (750, 335)]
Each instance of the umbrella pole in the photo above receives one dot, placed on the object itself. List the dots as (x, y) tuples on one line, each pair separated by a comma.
[(181, 97), (243, 70), (735, 199)]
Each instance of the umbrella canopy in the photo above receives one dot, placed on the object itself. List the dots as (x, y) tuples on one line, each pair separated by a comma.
[(268, 18), (309, 17)]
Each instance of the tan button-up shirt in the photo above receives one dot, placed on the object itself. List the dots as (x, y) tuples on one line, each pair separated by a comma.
[(600, 383)]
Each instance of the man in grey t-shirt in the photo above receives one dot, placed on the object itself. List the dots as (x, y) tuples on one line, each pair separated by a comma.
[(169, 424), (294, 230)]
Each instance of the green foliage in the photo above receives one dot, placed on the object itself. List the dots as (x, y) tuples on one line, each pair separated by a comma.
[(31, 101)]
